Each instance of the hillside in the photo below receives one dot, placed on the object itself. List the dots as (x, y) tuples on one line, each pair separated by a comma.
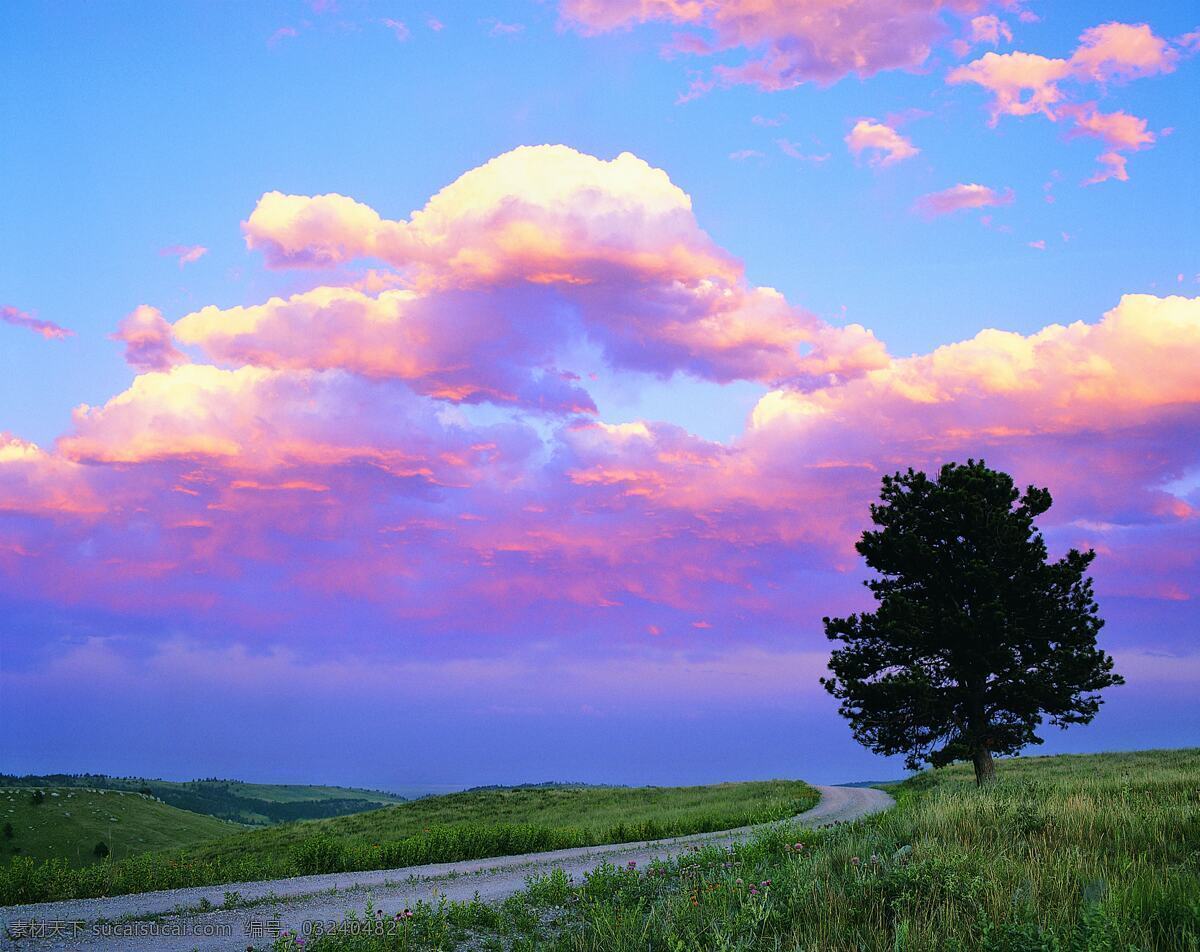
[(256, 804), (1080, 853), (69, 822), (433, 829)]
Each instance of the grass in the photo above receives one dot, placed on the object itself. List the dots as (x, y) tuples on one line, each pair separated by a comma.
[(69, 822), (458, 826), (1063, 854)]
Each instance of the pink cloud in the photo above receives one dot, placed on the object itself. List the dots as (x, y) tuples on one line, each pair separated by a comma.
[(960, 197), (742, 154), (989, 28), (283, 33), (795, 41), (47, 329), (148, 338), (1024, 84), (616, 240), (185, 253), (314, 493), (795, 150), (399, 28), (885, 144), (1117, 52)]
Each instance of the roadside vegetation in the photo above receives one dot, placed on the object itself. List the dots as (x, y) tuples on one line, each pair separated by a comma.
[(1059, 854), (79, 827), (459, 826)]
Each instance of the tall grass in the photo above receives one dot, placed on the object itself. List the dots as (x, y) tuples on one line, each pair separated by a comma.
[(1063, 854), (395, 837)]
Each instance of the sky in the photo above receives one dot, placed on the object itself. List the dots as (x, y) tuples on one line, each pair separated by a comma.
[(441, 394)]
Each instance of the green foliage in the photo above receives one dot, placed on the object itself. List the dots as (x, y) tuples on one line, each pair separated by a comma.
[(100, 850), (433, 830), (977, 636)]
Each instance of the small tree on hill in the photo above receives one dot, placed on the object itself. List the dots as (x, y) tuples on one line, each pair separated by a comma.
[(976, 635)]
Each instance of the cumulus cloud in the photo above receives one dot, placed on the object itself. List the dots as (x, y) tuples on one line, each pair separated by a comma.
[(614, 242), (960, 197), (885, 145), (149, 341), (322, 481), (47, 329), (1025, 84)]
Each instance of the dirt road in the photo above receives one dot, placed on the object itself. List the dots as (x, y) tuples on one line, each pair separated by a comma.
[(292, 902)]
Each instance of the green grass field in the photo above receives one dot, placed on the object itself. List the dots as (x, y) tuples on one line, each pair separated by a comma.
[(69, 822), (436, 829), (1063, 854)]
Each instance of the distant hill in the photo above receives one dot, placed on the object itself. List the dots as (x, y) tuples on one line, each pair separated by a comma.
[(255, 804), (547, 785), (69, 822)]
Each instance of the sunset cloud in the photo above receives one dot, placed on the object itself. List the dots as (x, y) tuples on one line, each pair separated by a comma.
[(1024, 84), (792, 41), (409, 465), (960, 197), (47, 329), (149, 341), (885, 144), (536, 231), (185, 254)]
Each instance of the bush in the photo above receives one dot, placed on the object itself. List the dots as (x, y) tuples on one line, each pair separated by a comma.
[(100, 850)]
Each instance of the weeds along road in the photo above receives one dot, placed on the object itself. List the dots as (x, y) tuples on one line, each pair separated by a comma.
[(292, 902)]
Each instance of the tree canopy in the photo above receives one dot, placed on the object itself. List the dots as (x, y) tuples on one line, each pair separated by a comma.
[(977, 637)]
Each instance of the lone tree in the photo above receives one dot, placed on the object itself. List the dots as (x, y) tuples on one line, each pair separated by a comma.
[(976, 636)]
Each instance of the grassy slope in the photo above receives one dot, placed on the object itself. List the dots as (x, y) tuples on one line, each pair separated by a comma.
[(1064, 854), (70, 821), (250, 803), (592, 810), (436, 829)]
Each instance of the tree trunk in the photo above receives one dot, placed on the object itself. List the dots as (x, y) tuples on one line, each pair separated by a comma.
[(985, 769)]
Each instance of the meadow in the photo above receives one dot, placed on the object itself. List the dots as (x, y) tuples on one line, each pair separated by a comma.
[(468, 825), (69, 823), (1062, 854)]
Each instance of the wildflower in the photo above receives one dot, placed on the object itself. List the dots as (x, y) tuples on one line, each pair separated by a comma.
[(739, 880), (853, 860)]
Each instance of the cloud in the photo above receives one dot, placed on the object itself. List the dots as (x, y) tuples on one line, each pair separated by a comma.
[(886, 145), (18, 318), (960, 197), (399, 28), (185, 253), (989, 28), (613, 244), (148, 338), (1024, 84), (742, 154), (318, 480), (283, 33), (795, 150), (793, 41)]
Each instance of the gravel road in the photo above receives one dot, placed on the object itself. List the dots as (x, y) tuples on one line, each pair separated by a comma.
[(294, 901)]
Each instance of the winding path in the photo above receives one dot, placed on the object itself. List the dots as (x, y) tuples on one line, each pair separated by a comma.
[(327, 897)]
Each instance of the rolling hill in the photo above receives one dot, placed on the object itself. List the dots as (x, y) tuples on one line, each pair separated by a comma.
[(67, 823), (254, 804)]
